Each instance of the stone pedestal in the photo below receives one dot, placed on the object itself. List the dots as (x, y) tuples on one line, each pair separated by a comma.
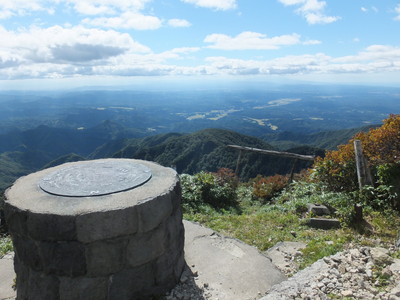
[(118, 246)]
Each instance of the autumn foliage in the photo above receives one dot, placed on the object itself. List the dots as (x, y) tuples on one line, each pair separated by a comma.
[(381, 146), (267, 187)]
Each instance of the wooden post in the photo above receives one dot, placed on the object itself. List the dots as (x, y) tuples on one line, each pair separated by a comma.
[(363, 175), (270, 152), (292, 171), (238, 164), (363, 172)]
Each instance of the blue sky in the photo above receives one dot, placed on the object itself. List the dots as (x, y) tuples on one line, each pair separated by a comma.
[(98, 42)]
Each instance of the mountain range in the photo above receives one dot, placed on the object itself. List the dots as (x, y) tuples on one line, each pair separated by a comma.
[(23, 152)]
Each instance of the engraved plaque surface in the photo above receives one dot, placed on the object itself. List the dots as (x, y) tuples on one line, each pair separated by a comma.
[(95, 178)]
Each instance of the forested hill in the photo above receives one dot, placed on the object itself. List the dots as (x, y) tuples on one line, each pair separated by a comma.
[(205, 150), (28, 151)]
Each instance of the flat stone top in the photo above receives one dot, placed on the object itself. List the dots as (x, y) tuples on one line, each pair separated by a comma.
[(95, 178), (26, 193)]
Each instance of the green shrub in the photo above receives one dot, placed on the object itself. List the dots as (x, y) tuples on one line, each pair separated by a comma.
[(380, 197), (217, 190), (389, 179)]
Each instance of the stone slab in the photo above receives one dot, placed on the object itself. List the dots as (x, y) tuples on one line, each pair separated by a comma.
[(321, 223), (95, 178), (230, 268), (318, 209), (7, 276)]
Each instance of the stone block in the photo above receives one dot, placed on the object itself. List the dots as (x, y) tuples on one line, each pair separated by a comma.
[(44, 227), (146, 247), (135, 283), (152, 212), (106, 224), (175, 229), (176, 196), (22, 279), (105, 257), (318, 209), (15, 219), (43, 287), (320, 223), (83, 288), (168, 269), (27, 252), (63, 258), (164, 269), (180, 265)]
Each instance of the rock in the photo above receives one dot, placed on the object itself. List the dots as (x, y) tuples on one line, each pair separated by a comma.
[(396, 291), (318, 209), (380, 256), (347, 293), (395, 266)]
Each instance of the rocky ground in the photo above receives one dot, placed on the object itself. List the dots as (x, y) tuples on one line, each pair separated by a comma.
[(356, 273)]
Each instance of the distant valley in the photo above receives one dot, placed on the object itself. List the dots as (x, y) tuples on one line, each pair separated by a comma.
[(41, 129)]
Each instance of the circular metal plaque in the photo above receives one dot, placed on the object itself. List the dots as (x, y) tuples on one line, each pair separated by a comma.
[(95, 178)]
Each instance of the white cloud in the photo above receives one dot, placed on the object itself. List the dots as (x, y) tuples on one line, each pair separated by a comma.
[(93, 7), (374, 53), (312, 42), (397, 11), (317, 18), (250, 41), (185, 50), (58, 45), (374, 59), (127, 20), (9, 8), (179, 23), (214, 4), (365, 9), (58, 52), (90, 9), (311, 10)]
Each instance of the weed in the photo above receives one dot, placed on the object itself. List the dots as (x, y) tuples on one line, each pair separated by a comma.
[(6, 245)]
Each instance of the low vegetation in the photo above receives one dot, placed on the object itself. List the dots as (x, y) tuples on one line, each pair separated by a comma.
[(267, 210), (5, 245), (263, 223)]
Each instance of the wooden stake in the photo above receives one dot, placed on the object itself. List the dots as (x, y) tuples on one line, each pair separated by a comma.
[(238, 164), (292, 171), (363, 172), (364, 177)]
